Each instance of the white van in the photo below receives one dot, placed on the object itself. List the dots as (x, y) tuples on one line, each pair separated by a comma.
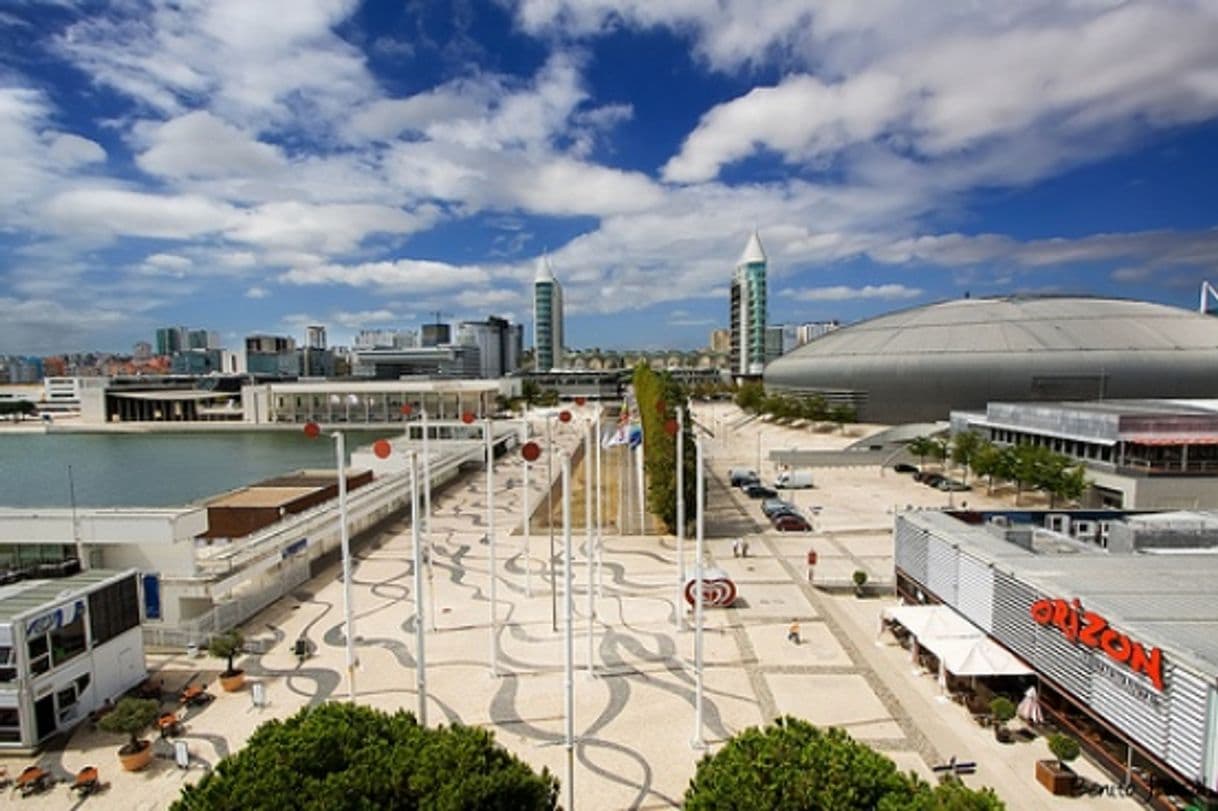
[(793, 480)]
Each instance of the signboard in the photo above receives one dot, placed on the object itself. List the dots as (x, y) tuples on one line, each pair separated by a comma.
[(1089, 629), (55, 618), (717, 589), (295, 548)]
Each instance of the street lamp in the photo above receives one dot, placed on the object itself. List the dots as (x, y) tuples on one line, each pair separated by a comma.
[(676, 427), (312, 430), (697, 741), (569, 641), (565, 417), (382, 449), (530, 452)]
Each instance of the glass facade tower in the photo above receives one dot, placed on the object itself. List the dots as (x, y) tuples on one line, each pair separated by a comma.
[(547, 318), (748, 316)]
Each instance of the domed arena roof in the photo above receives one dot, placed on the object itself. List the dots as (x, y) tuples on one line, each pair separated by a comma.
[(923, 362)]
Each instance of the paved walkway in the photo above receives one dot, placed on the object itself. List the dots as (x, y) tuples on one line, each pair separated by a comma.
[(635, 719)]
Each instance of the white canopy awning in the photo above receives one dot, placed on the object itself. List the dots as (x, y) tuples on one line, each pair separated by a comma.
[(982, 657), (927, 622)]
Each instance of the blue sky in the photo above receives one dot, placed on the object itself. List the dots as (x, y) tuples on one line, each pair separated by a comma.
[(261, 166)]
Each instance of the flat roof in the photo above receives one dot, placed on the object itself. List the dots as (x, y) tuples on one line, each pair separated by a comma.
[(25, 596), (1169, 601), (387, 386), (172, 394), (262, 497)]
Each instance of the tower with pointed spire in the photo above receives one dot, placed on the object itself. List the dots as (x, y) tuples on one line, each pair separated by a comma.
[(547, 318), (748, 315)]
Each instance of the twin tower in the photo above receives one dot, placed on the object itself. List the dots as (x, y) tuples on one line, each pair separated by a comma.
[(748, 314)]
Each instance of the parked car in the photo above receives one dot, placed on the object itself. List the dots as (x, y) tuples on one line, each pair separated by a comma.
[(953, 485), (791, 523), (790, 511), (759, 491), (933, 479), (742, 477), (905, 467), (774, 505)]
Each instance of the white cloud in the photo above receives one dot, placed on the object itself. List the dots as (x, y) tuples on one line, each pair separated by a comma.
[(200, 145), (70, 151), (884, 292), (329, 229), (257, 292), (403, 274), (45, 325), (110, 211)]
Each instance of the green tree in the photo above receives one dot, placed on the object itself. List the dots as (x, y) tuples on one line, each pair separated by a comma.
[(750, 396), (814, 408), (1072, 483), (226, 646), (339, 755), (921, 447), (794, 766), (987, 461), (658, 397), (1063, 747), (964, 448), (841, 414), (130, 717)]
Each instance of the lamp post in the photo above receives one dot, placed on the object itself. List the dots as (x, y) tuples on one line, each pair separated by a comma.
[(564, 416), (529, 453), (312, 430), (677, 427), (697, 741), (426, 523), (600, 483), (382, 449), (569, 641), (490, 536), (587, 463)]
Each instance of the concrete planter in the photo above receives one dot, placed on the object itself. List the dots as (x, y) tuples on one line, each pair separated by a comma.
[(232, 681), (1059, 779), (137, 760)]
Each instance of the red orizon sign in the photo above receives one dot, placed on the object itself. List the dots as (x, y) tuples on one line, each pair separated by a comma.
[(1090, 629)]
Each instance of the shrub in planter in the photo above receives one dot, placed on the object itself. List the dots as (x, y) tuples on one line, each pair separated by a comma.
[(1064, 748), (1002, 710), (860, 579), (226, 646), (131, 717)]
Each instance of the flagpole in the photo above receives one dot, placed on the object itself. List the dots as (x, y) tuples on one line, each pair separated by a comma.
[(678, 614), (638, 467), (600, 484), (568, 643), (527, 524), (697, 741), (490, 537), (340, 449), (426, 523)]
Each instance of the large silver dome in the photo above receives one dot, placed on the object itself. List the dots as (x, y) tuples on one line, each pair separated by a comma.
[(921, 363)]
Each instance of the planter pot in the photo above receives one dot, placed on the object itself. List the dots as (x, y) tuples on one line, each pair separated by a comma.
[(1057, 778), (1003, 735), (138, 759), (232, 681)]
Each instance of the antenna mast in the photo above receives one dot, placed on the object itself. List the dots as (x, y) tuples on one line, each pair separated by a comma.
[(80, 550)]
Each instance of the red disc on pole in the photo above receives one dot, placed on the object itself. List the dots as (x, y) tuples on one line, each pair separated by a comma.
[(468, 417), (312, 430), (579, 401), (531, 451), (382, 448), (670, 427), (406, 409), (661, 407), (564, 416)]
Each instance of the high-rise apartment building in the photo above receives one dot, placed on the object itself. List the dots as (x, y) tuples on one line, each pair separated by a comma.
[(547, 318), (315, 337), (497, 343), (170, 340), (749, 310)]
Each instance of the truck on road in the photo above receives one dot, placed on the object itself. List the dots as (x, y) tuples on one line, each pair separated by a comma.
[(793, 480)]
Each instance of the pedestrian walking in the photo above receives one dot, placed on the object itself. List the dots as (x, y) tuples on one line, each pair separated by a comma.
[(793, 631), (744, 548), (735, 547)]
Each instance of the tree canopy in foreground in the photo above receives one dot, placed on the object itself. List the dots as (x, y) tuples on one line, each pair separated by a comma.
[(338, 755), (792, 765)]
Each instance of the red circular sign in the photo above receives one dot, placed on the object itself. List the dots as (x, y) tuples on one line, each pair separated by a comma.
[(406, 409), (719, 591), (531, 451), (468, 417), (312, 430), (670, 427), (579, 401), (382, 448), (564, 416)]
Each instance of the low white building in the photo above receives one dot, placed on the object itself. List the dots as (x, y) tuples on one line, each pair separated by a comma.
[(66, 646)]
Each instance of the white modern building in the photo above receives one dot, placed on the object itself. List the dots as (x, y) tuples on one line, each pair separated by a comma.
[(66, 646), (547, 318), (748, 316), (370, 402)]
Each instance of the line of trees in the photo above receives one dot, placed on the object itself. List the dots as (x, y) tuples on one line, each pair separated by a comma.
[(658, 397), (1028, 467), (752, 397)]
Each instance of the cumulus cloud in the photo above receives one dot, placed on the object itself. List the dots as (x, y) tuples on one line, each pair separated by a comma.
[(403, 274)]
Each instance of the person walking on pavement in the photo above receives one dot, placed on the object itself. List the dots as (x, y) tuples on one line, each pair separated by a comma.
[(793, 631)]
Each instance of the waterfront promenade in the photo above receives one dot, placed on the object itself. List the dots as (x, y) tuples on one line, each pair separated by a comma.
[(635, 720)]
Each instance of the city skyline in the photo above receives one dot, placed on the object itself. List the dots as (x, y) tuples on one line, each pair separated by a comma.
[(357, 165)]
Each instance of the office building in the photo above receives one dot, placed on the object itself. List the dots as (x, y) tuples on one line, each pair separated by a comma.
[(748, 316), (812, 330), (497, 343), (170, 340), (452, 360), (271, 355), (142, 351), (436, 334), (547, 318), (315, 337), (386, 339), (721, 340)]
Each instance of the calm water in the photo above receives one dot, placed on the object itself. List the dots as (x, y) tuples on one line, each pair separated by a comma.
[(152, 470)]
